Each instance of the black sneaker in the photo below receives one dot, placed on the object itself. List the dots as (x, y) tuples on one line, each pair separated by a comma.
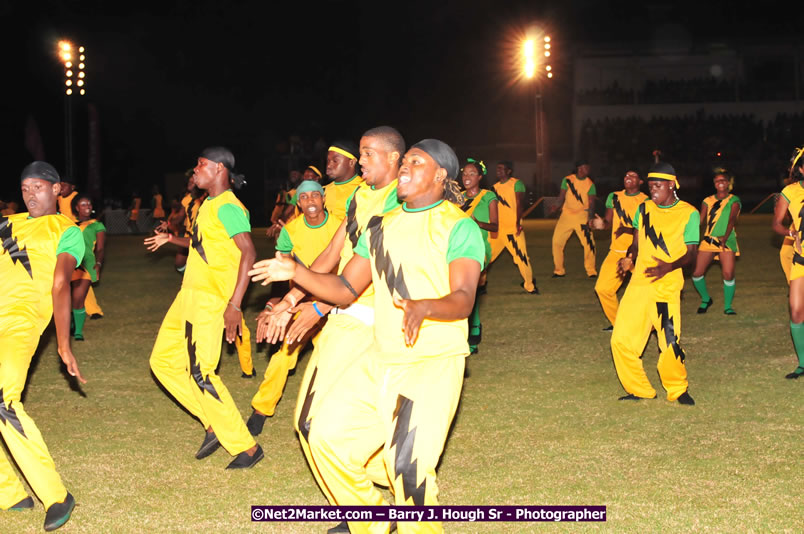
[(795, 374), (255, 423), (481, 290), (59, 513), (95, 316), (208, 446), (705, 306), (252, 375), (26, 504), (339, 528), (609, 328), (592, 276), (475, 339), (686, 399), (535, 290), (556, 275), (244, 461), (632, 397)]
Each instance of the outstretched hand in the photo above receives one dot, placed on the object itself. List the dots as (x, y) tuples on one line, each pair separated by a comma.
[(156, 240), (275, 270)]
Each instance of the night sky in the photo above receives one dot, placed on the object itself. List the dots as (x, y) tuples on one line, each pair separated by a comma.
[(169, 81)]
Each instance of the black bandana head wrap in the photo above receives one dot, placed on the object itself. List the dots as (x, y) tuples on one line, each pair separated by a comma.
[(445, 158), (219, 154), (42, 171)]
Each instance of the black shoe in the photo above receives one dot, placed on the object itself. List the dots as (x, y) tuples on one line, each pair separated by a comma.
[(795, 374), (686, 399), (592, 276), (59, 513), (95, 316), (609, 328), (475, 339), (473, 350), (481, 290), (78, 337), (705, 306), (340, 527), (25, 504), (244, 461), (209, 445), (633, 397), (730, 312), (556, 275), (252, 375), (535, 290), (255, 423)]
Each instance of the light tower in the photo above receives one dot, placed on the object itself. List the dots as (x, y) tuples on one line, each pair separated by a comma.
[(537, 52), (74, 60)]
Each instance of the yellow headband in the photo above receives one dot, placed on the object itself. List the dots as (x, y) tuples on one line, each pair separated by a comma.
[(798, 156), (315, 170), (341, 151), (664, 176)]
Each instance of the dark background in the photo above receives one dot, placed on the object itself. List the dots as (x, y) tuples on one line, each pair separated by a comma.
[(169, 80)]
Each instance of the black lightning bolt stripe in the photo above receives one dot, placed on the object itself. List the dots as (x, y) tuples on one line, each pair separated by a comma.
[(650, 232), (797, 258), (394, 277), (467, 203), (352, 229), (669, 331), (625, 220), (11, 246), (304, 422), (712, 240), (404, 464), (204, 384), (196, 242), (574, 191), (521, 255), (9, 415), (587, 234), (500, 198), (710, 222)]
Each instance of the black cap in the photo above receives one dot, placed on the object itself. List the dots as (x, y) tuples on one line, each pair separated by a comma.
[(41, 170)]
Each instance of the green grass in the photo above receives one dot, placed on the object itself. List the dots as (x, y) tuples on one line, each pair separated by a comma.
[(538, 424)]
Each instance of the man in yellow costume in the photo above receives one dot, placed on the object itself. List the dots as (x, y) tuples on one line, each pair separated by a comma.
[(303, 239), (342, 169), (188, 347), (621, 207), (66, 197), (510, 235), (403, 392), (41, 249), (577, 204), (666, 240)]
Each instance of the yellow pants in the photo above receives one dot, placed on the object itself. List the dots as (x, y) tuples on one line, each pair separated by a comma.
[(342, 340), (516, 246), (243, 346), (641, 310), (405, 409), (608, 283), (20, 333), (184, 359), (91, 304), (786, 256), (566, 225), (276, 374)]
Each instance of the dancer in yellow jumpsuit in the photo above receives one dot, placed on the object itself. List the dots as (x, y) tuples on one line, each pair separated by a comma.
[(40, 251), (577, 204), (621, 207), (303, 239), (510, 235), (402, 394), (791, 201), (666, 240), (188, 347)]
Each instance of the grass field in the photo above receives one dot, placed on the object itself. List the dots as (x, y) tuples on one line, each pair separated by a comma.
[(539, 421)]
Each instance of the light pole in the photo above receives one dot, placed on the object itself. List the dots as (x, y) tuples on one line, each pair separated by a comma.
[(536, 53), (74, 61)]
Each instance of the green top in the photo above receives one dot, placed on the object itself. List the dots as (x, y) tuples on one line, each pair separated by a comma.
[(72, 242), (90, 233)]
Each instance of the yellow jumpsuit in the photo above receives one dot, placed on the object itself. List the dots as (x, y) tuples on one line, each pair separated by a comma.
[(27, 263), (664, 233), (188, 346), (398, 397), (507, 237), (623, 208), (575, 218)]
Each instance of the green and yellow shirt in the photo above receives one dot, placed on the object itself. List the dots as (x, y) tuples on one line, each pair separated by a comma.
[(624, 208), (306, 242), (90, 230), (717, 219), (578, 192), (478, 207), (337, 193), (506, 210)]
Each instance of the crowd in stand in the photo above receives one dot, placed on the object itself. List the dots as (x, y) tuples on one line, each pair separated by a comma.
[(666, 91)]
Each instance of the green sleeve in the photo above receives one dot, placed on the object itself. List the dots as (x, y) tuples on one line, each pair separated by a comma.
[(636, 216), (519, 187), (349, 200), (283, 243), (736, 200), (361, 249), (294, 199), (466, 241), (391, 201), (610, 201), (592, 190), (692, 232), (99, 227), (234, 219), (72, 242), (564, 183)]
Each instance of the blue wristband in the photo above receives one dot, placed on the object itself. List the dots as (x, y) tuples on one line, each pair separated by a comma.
[(315, 307)]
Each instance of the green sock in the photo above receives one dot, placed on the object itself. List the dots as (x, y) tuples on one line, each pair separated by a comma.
[(700, 287), (797, 331), (79, 317), (729, 287)]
